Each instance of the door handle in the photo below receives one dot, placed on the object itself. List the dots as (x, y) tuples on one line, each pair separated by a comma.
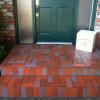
[(37, 8), (37, 11)]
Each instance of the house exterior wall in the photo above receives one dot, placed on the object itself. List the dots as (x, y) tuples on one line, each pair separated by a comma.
[(6, 7), (83, 18)]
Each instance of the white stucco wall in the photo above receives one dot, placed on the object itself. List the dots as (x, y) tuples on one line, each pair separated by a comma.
[(84, 14)]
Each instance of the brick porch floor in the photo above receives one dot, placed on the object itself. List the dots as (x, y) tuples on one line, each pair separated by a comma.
[(50, 71)]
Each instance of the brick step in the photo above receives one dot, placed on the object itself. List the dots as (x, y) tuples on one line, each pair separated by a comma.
[(19, 69), (50, 60), (43, 86)]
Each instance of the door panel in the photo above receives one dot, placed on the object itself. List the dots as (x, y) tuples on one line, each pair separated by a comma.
[(45, 25), (55, 22), (62, 24)]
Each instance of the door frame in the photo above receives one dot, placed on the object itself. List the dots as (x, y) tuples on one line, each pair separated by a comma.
[(16, 20), (34, 28), (15, 11), (75, 21), (93, 14), (76, 6)]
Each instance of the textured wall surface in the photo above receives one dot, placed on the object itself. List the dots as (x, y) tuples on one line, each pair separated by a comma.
[(6, 7), (85, 7)]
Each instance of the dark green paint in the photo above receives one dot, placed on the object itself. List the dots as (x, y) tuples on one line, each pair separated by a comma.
[(56, 20), (76, 5), (94, 14), (16, 20), (34, 22)]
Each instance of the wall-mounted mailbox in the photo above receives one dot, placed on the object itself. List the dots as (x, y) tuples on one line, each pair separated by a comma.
[(85, 40)]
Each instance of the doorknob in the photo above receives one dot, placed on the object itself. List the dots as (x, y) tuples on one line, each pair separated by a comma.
[(37, 12)]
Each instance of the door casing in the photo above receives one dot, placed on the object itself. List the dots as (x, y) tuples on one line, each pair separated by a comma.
[(76, 5)]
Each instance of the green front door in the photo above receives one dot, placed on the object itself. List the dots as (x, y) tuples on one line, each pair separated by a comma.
[(55, 20)]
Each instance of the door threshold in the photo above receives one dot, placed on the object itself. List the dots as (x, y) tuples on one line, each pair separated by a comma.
[(63, 43)]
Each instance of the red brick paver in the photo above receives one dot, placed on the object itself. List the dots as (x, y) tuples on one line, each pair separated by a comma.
[(50, 71)]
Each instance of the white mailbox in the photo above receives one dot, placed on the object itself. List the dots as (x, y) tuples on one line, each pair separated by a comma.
[(85, 40)]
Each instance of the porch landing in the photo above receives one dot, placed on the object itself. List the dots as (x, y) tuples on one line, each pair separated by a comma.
[(50, 71)]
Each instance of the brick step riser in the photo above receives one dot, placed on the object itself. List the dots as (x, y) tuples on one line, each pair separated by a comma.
[(67, 86), (49, 71), (49, 92)]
